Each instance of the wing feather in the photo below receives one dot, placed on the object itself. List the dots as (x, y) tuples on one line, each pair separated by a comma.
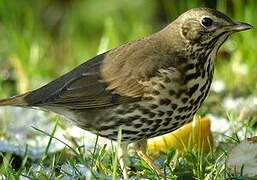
[(113, 78)]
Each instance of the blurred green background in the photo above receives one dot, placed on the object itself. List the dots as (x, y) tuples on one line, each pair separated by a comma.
[(42, 39)]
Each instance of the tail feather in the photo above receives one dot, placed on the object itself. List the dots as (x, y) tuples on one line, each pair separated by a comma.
[(18, 100)]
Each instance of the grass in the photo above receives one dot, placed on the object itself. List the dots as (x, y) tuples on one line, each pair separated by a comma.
[(39, 41), (192, 164)]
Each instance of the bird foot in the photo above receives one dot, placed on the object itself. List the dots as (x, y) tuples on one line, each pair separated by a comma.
[(140, 147)]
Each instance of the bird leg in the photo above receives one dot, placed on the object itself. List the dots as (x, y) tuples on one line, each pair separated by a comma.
[(140, 147), (122, 159)]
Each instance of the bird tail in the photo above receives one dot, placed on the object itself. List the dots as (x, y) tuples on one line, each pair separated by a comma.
[(18, 100)]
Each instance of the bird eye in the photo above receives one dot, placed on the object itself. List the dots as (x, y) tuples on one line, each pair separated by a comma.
[(206, 22)]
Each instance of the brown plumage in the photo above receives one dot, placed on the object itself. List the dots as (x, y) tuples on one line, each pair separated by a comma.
[(147, 87)]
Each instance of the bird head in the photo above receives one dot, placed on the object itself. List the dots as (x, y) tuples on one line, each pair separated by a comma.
[(204, 26)]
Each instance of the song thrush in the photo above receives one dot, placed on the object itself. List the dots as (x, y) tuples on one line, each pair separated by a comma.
[(146, 87)]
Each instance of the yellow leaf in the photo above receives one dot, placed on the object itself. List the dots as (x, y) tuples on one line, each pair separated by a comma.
[(196, 134)]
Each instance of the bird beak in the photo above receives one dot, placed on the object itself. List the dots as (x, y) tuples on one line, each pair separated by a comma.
[(238, 26)]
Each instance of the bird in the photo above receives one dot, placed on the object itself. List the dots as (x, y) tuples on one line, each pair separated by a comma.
[(144, 88)]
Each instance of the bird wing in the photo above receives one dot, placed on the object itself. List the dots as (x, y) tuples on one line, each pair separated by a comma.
[(81, 88), (109, 79)]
